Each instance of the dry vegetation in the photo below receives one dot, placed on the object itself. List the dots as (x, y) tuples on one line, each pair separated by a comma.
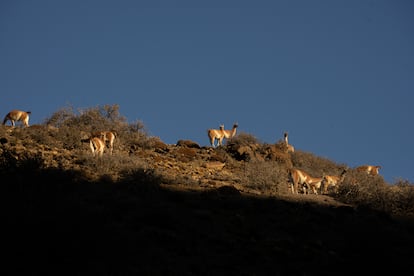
[(158, 209)]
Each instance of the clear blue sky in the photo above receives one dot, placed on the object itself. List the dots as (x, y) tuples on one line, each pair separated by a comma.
[(337, 75)]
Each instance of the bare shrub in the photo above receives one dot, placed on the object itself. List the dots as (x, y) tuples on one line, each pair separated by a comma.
[(60, 117), (113, 167), (400, 198), (90, 119), (70, 126), (362, 189), (266, 176), (135, 136), (70, 137), (314, 165), (41, 135), (3, 130), (244, 138)]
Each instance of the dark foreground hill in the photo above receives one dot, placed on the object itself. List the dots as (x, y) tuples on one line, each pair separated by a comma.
[(57, 224), (184, 210)]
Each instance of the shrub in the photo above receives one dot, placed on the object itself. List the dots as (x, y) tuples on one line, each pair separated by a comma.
[(268, 177), (314, 165), (362, 189), (244, 138)]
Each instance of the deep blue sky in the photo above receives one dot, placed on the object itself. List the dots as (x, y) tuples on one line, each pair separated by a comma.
[(337, 75)]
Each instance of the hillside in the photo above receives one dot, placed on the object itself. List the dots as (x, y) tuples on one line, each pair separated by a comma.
[(158, 209)]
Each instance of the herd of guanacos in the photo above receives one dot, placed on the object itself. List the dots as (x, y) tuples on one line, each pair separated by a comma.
[(298, 178)]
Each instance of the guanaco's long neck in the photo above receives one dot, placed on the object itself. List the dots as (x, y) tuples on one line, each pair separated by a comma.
[(233, 131), (286, 139), (342, 175)]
